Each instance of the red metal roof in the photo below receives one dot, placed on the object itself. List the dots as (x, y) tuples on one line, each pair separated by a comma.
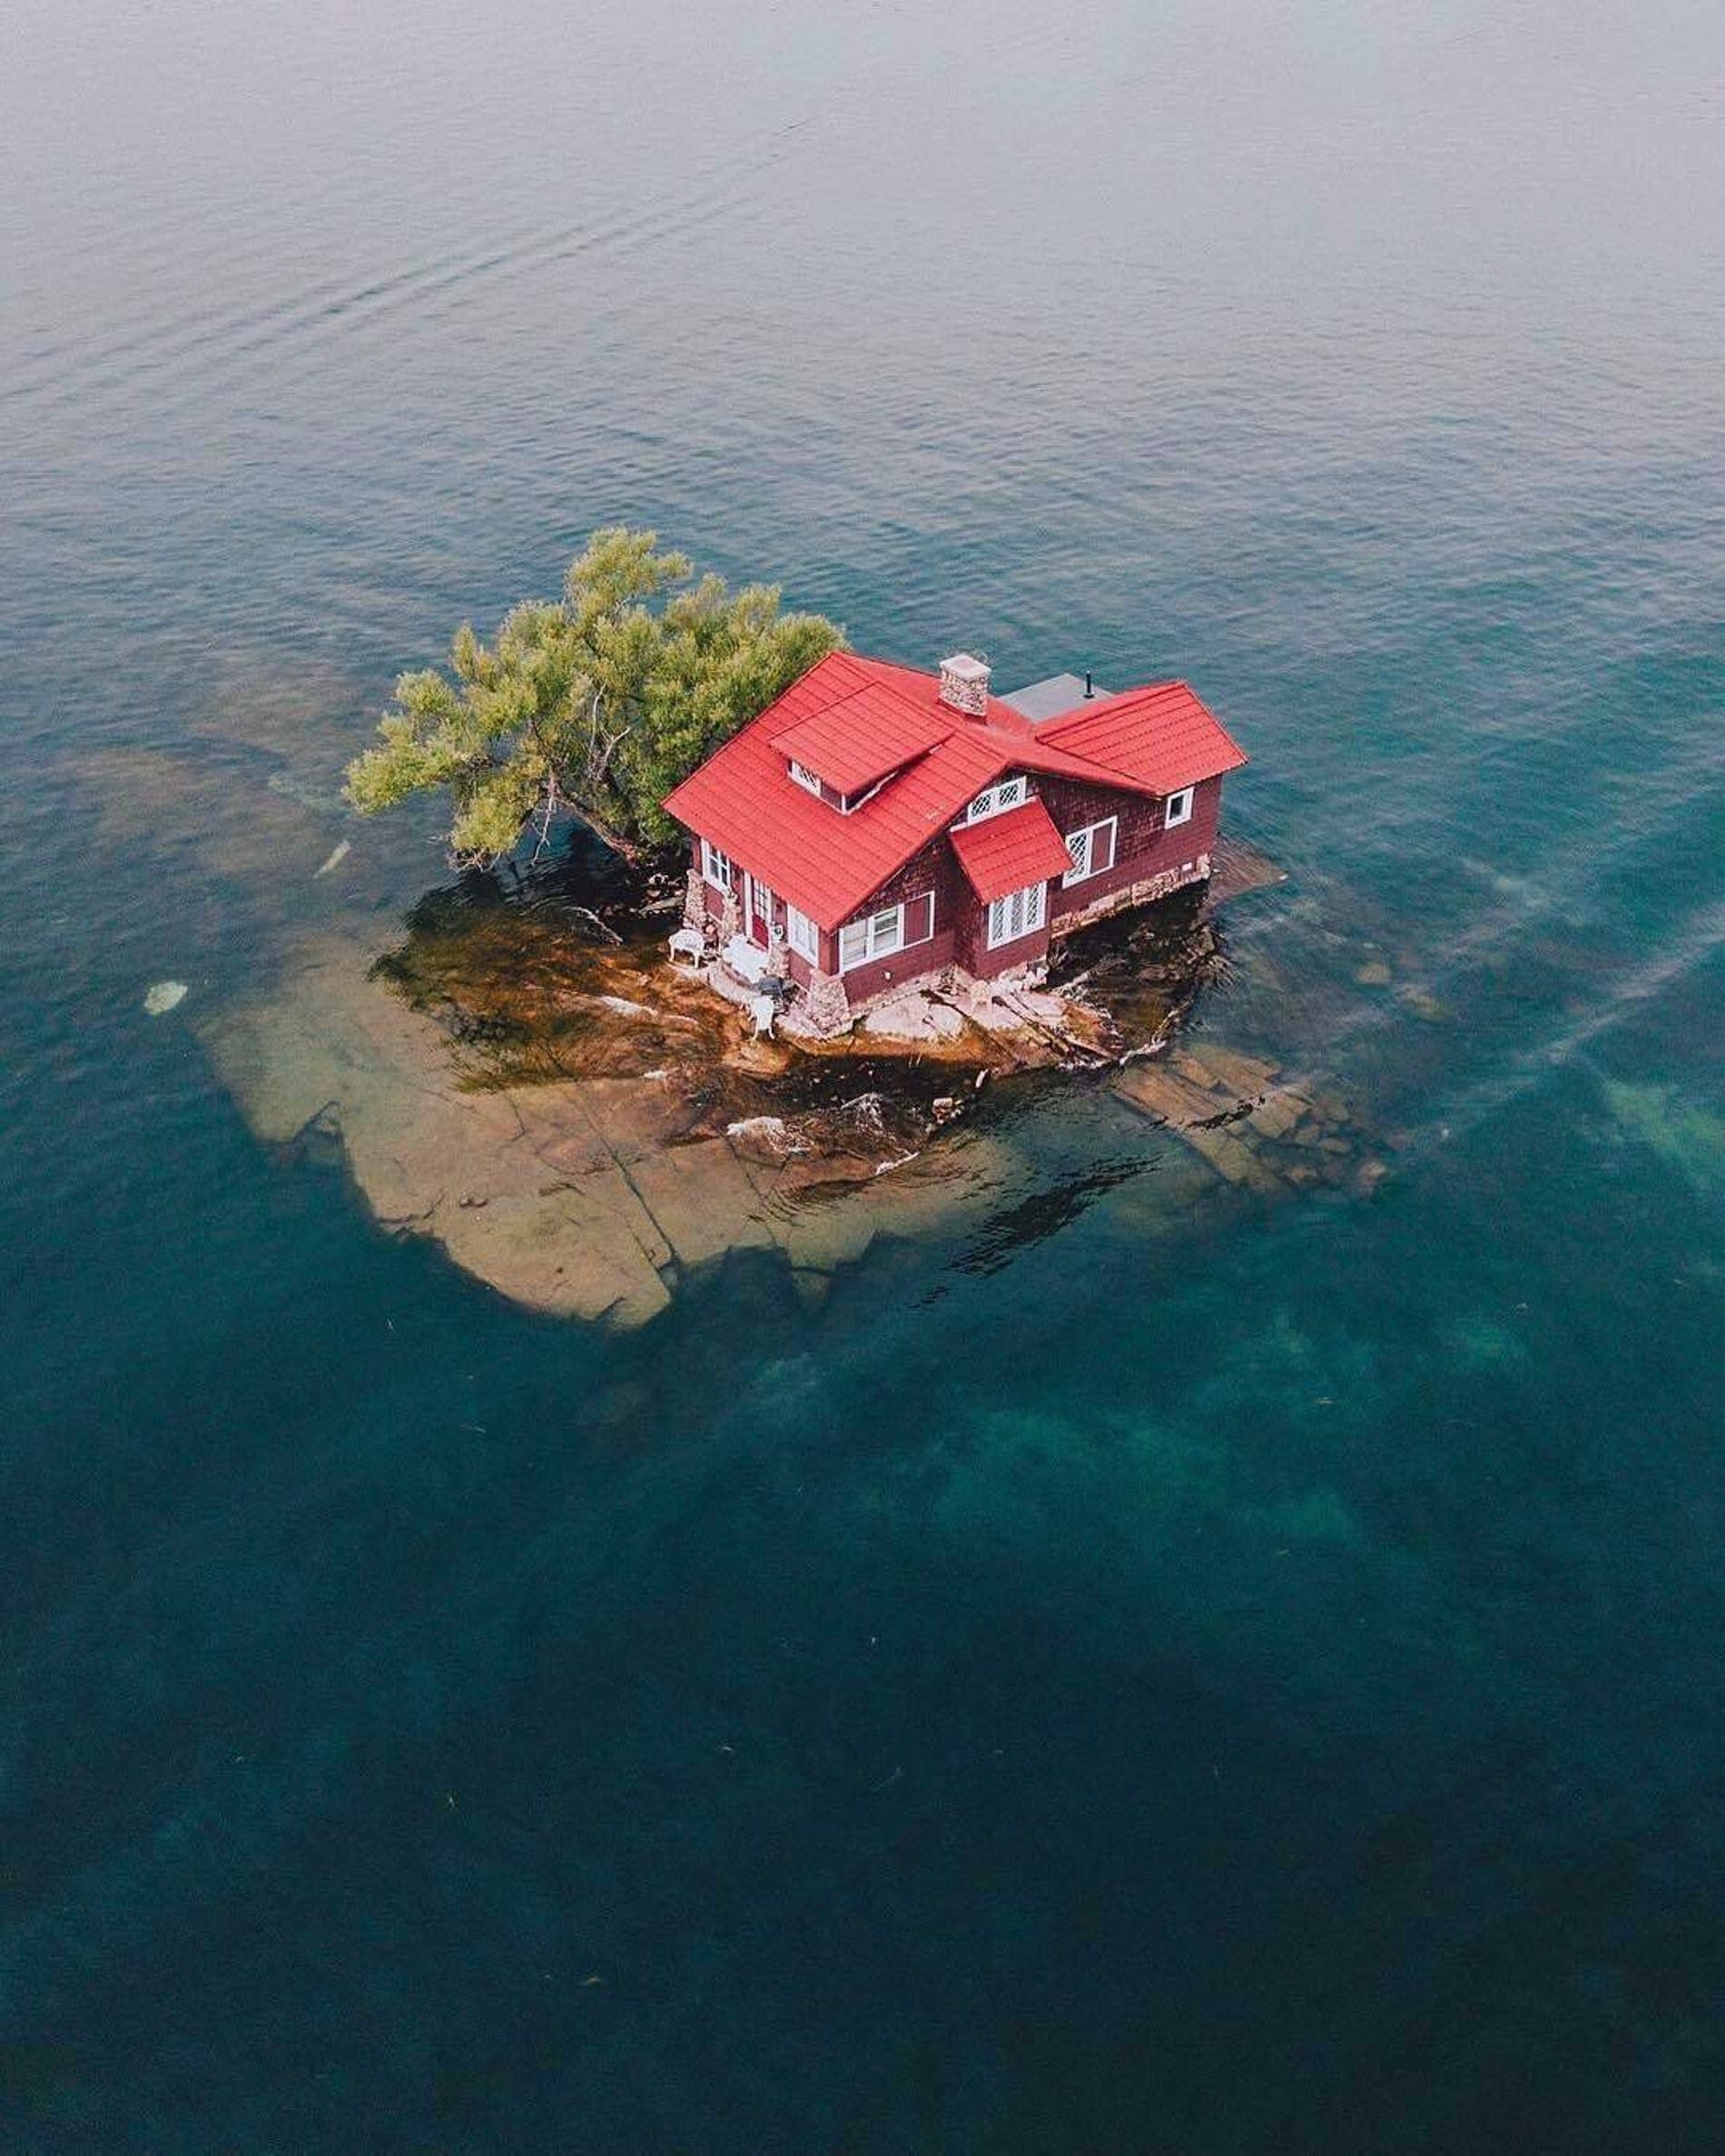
[(744, 798), (1003, 854), (1161, 736), (861, 738)]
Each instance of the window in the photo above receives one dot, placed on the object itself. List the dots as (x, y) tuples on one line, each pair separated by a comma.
[(1018, 914), (875, 936), (893, 928), (995, 800), (1092, 849), (802, 935), (1179, 808), (846, 804), (716, 866)]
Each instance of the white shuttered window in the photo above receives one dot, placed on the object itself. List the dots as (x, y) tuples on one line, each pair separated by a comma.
[(1092, 849), (995, 800), (875, 936), (1018, 914)]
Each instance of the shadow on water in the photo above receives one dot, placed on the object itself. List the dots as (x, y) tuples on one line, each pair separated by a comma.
[(528, 973), (1148, 968), (1044, 1214), (557, 973)]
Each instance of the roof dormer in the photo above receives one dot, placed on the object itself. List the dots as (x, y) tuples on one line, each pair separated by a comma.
[(846, 804), (845, 753)]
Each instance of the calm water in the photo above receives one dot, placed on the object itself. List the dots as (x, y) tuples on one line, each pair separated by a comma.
[(1254, 1689)]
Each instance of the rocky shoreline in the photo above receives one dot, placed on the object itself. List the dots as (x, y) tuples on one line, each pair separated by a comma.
[(529, 1080)]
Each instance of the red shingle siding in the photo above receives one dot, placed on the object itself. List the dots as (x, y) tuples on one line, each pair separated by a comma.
[(1144, 847), (933, 870), (977, 959)]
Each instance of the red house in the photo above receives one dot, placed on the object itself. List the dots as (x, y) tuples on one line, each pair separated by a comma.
[(876, 825)]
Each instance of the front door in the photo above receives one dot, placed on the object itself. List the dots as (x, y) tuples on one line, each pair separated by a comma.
[(760, 915)]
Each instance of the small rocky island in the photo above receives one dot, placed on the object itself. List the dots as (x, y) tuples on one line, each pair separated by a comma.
[(588, 1071)]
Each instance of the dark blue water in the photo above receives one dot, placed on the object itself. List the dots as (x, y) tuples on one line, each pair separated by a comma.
[(1120, 1676)]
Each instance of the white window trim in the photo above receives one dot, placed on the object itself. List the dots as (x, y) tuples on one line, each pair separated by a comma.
[(1032, 907), (849, 804), (802, 935), (878, 942), (1082, 875), (716, 867), (805, 778), (990, 804), (1179, 808)]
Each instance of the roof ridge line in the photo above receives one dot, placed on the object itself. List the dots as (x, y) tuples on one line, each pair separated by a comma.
[(1111, 773), (902, 696)]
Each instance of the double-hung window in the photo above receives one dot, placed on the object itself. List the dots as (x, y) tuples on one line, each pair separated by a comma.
[(995, 800), (802, 935), (893, 928), (716, 866), (1092, 849), (875, 936), (1017, 914), (1179, 808)]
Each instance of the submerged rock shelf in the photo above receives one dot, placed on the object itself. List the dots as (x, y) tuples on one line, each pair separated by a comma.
[(1254, 1125), (584, 1194), (530, 1083)]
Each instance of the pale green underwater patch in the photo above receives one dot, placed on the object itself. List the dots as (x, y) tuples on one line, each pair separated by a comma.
[(1478, 1341), (1319, 1516), (1691, 1140)]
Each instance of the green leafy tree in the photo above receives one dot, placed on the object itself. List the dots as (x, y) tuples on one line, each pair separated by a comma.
[(599, 702)]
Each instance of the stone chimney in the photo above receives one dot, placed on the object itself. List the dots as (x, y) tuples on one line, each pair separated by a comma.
[(964, 684)]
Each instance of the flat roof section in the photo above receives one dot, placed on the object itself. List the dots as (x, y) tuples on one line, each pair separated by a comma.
[(1047, 699)]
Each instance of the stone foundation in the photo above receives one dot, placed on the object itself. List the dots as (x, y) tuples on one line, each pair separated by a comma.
[(1143, 894), (826, 1007)]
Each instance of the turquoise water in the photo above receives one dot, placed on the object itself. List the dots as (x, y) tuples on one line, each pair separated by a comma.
[(1123, 1675)]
